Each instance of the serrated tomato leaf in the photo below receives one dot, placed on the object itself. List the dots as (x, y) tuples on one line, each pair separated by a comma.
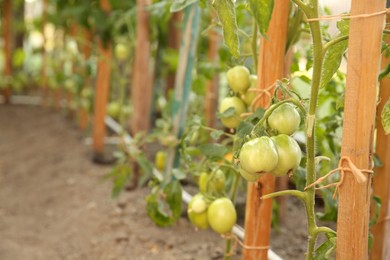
[(227, 15), (213, 151), (262, 12), (332, 61)]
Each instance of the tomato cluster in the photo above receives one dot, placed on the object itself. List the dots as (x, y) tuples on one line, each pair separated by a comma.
[(242, 84), (280, 154), (205, 210)]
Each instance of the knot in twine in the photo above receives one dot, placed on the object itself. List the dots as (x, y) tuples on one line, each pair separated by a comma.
[(357, 173), (348, 16), (237, 242), (261, 91)]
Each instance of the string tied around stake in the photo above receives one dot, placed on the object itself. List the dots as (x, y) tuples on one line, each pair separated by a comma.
[(237, 242), (357, 173), (348, 16)]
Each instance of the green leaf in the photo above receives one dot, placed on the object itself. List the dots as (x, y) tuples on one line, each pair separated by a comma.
[(213, 151), (178, 174), (180, 5), (340, 102), (163, 205), (343, 26), (120, 175), (227, 15), (385, 116), (231, 111), (332, 61), (262, 12), (216, 134), (377, 202)]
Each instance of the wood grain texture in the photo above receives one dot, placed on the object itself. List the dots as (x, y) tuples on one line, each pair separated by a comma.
[(141, 88), (258, 212), (358, 128), (381, 181)]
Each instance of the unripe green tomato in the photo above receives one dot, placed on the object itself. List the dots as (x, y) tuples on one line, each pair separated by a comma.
[(203, 181), (249, 95), (221, 215), (160, 160), (200, 220), (258, 155), (113, 109), (289, 155), (251, 177), (238, 78), (121, 51), (86, 93), (238, 105), (285, 119), (199, 205), (218, 181)]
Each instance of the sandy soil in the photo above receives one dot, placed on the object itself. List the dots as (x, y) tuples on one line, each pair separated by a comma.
[(54, 204)]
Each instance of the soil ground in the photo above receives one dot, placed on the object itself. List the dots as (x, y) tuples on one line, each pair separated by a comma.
[(55, 205)]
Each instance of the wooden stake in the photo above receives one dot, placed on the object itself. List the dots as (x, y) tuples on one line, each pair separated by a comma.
[(101, 94), (7, 24), (141, 88), (211, 98), (358, 129), (258, 212), (381, 182)]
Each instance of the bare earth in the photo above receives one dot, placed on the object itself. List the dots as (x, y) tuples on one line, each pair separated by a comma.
[(55, 205)]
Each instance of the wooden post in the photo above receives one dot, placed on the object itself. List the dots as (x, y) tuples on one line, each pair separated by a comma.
[(7, 34), (87, 50), (101, 94), (141, 88), (258, 212), (211, 98), (381, 182), (358, 129)]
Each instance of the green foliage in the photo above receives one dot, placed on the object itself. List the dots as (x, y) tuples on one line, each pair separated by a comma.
[(163, 204), (334, 55), (262, 12), (227, 15)]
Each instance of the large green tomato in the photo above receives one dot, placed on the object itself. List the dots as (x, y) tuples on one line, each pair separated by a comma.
[(258, 155), (251, 177), (285, 119), (249, 96), (289, 154), (238, 105), (221, 215), (197, 211), (238, 79)]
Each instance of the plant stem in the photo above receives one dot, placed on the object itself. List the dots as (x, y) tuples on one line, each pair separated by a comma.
[(333, 42), (310, 166)]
